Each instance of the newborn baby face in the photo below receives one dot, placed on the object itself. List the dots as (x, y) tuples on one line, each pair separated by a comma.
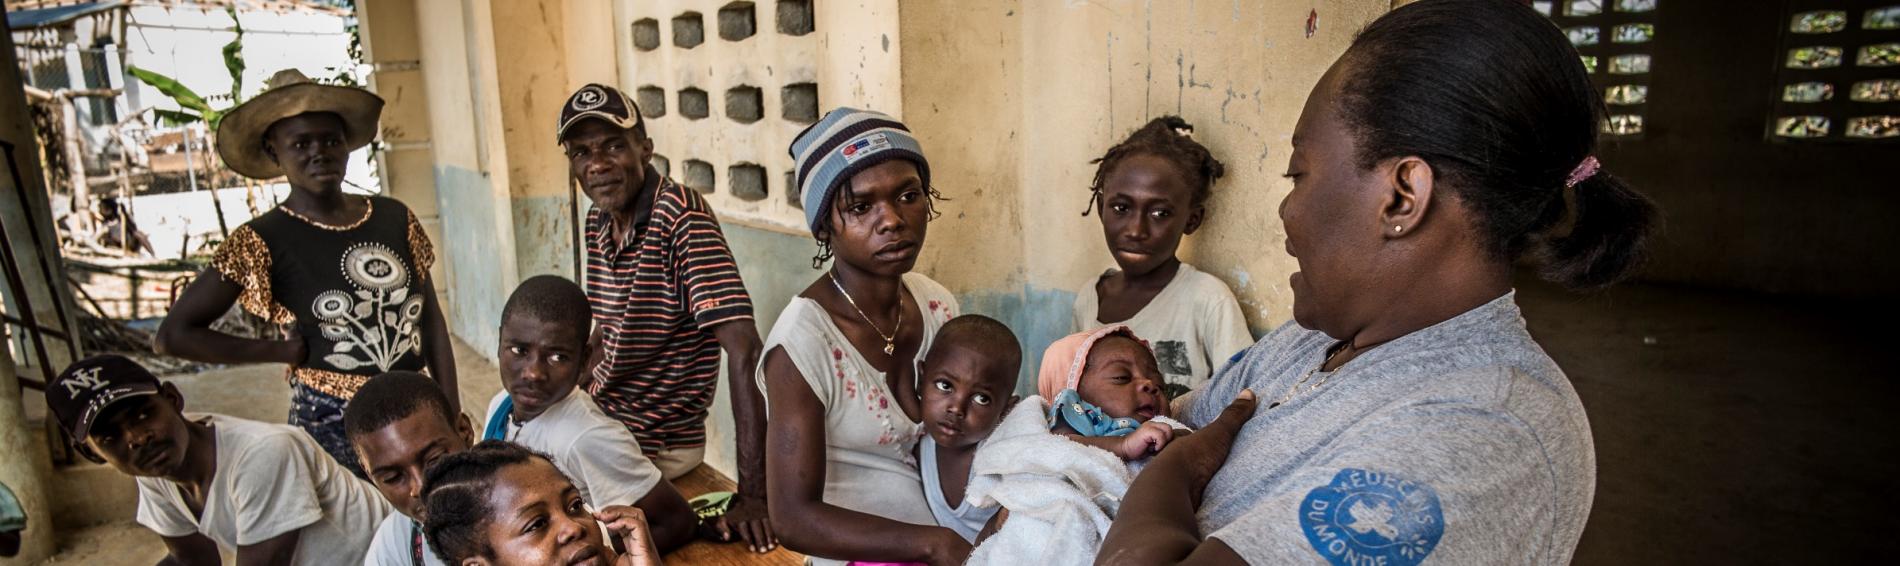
[(1123, 379)]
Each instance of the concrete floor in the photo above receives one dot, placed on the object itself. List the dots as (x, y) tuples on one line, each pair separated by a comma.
[(1730, 428)]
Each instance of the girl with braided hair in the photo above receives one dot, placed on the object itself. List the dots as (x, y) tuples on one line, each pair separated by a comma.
[(1150, 190)]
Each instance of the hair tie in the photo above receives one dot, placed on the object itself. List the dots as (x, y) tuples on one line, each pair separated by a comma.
[(1584, 170)]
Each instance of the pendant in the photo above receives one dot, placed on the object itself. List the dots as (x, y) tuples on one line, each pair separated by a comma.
[(889, 348)]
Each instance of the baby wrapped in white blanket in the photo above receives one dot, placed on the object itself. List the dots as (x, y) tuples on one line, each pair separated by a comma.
[(1062, 488)]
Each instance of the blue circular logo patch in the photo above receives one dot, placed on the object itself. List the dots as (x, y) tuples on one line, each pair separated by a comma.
[(1367, 517)]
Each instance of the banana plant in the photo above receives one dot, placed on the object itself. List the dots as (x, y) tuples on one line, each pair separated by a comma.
[(192, 106)]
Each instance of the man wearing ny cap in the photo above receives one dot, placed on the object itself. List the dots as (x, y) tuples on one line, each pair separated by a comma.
[(666, 298), (209, 483)]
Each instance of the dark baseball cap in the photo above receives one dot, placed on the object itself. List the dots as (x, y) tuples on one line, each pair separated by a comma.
[(90, 385), (598, 101)]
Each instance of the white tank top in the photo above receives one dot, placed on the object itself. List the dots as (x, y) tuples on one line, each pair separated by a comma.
[(965, 519)]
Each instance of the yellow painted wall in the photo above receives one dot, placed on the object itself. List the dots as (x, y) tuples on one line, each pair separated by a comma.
[(1010, 99), (1238, 71)]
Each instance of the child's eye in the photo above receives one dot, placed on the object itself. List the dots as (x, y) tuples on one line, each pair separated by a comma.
[(909, 196), (534, 525), (517, 350), (859, 208), (1163, 213), (1118, 208), (558, 358), (942, 385), (577, 506), (982, 399)]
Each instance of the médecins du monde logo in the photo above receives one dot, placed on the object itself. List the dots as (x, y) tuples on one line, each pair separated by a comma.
[(1368, 517)]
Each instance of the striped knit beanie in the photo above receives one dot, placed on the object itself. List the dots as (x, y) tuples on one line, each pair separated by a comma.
[(846, 141)]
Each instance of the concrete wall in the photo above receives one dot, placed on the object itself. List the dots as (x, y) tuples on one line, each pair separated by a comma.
[(471, 177), (1011, 99)]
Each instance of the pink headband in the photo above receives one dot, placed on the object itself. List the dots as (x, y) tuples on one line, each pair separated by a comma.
[(1586, 169)]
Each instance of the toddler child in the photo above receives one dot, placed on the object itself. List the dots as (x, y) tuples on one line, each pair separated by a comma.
[(501, 504), (544, 328), (966, 380), (1150, 190)]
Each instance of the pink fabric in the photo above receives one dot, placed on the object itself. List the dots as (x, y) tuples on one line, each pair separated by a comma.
[(1063, 362)]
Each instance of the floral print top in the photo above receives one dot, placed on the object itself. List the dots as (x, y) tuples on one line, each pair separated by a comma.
[(354, 293), (870, 462)]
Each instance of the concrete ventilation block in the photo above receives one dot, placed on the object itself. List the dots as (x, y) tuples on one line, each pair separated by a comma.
[(791, 191), (662, 164), (646, 34), (652, 101), (744, 104), (738, 20), (800, 102), (693, 104), (689, 30), (699, 176), (747, 181), (795, 17)]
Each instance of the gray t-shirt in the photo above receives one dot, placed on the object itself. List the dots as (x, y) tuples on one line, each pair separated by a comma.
[(1462, 442)]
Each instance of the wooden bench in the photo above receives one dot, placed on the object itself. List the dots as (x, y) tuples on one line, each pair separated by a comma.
[(704, 479)]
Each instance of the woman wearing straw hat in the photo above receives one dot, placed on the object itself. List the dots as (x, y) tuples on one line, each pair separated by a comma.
[(349, 272)]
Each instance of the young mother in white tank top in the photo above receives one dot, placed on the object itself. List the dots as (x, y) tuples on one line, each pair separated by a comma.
[(840, 364)]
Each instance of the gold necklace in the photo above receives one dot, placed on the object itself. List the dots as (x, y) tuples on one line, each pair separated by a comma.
[(890, 340), (1295, 388), (369, 207)]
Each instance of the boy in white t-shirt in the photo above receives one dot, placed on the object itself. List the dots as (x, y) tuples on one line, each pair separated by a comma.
[(211, 483), (399, 425), (544, 329), (1150, 190)]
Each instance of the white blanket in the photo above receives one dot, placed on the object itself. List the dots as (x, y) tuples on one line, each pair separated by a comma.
[(1061, 495)]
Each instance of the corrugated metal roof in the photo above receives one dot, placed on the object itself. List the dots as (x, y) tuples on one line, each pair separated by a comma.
[(55, 15)]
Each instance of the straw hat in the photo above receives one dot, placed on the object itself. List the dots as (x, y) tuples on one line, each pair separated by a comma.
[(289, 93)]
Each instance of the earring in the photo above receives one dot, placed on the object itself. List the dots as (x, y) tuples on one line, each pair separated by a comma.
[(1396, 229)]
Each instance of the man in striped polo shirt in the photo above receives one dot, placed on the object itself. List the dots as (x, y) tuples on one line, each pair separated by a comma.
[(667, 298)]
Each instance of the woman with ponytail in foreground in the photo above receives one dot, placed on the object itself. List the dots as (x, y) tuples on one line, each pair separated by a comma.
[(1406, 413)]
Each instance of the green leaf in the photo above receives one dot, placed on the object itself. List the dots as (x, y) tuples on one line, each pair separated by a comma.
[(174, 117), (180, 93), (234, 57)]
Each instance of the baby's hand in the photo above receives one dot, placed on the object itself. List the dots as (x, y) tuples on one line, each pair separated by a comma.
[(1145, 441)]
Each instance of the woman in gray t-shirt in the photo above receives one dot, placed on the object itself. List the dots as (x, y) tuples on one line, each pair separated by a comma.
[(1408, 414)]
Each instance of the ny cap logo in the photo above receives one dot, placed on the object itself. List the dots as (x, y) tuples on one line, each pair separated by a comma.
[(86, 378)]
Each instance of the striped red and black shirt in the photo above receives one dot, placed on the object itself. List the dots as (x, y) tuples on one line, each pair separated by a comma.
[(656, 300)]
